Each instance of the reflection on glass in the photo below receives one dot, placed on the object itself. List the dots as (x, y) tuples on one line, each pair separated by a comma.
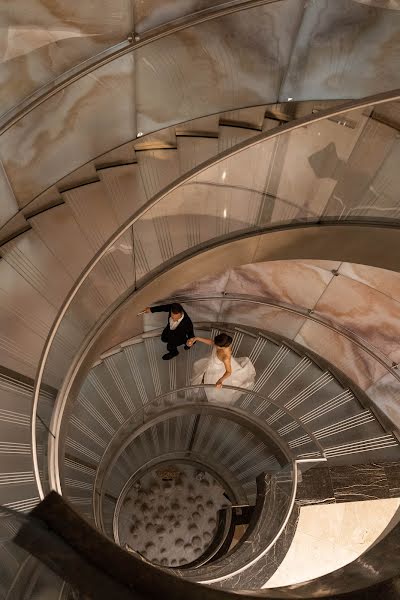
[(341, 167)]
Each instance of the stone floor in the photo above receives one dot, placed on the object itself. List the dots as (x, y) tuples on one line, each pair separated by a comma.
[(171, 522)]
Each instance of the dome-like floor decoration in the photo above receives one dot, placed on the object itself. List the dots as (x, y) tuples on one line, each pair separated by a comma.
[(169, 515)]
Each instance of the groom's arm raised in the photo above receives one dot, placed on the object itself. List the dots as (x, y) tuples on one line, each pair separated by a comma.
[(161, 308)]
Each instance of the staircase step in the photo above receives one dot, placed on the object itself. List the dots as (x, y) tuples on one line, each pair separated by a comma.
[(94, 213), (164, 138), (231, 136), (195, 150), (17, 479), (8, 206), (61, 232), (125, 189), (251, 117), (81, 176), (270, 124), (158, 169), (98, 221), (204, 125), (122, 155)]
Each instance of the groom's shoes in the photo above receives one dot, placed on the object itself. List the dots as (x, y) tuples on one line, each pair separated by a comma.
[(170, 355)]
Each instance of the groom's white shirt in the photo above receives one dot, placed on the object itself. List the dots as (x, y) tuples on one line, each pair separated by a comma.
[(174, 324)]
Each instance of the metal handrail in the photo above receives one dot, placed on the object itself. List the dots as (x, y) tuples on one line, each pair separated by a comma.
[(276, 438), (372, 100), (134, 42)]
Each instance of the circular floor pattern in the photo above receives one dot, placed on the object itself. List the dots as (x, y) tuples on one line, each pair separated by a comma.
[(170, 514)]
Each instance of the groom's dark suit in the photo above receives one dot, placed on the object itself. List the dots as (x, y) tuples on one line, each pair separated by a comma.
[(175, 337)]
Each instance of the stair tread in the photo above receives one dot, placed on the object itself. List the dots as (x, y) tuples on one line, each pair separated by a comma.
[(158, 169), (195, 150), (125, 189)]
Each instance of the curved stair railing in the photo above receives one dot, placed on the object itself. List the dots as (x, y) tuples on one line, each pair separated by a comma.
[(297, 399), (137, 69), (82, 434), (172, 213)]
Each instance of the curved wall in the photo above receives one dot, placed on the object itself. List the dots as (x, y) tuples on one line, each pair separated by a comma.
[(273, 52)]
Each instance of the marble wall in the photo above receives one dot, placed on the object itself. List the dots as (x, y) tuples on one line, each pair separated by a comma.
[(271, 53), (349, 483), (331, 536), (42, 39)]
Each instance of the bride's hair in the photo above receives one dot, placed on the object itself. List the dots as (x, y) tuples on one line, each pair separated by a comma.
[(222, 340)]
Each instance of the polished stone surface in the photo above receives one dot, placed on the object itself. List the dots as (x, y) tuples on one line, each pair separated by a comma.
[(315, 487), (359, 482), (40, 40), (334, 535), (342, 36), (67, 125), (349, 483), (272, 505), (210, 50), (249, 57), (255, 576)]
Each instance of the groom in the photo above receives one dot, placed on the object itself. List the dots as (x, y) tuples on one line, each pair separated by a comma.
[(178, 330)]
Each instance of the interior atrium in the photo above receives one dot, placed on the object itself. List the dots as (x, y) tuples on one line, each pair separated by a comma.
[(199, 299)]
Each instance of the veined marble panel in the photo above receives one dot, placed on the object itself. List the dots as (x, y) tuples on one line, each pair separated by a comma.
[(153, 13), (236, 60), (292, 282), (333, 535), (41, 39), (392, 471), (215, 284), (349, 483), (255, 576), (74, 126), (359, 482), (386, 394), (328, 265), (337, 42), (365, 311), (269, 318), (315, 487), (359, 366), (386, 282)]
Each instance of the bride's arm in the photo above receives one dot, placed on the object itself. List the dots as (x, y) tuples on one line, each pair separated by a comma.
[(228, 372), (207, 341)]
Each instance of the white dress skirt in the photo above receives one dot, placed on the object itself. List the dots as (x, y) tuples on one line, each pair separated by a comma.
[(209, 370)]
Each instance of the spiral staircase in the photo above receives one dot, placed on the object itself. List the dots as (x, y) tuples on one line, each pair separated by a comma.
[(147, 149)]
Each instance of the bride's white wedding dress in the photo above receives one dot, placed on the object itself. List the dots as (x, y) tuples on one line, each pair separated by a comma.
[(209, 370)]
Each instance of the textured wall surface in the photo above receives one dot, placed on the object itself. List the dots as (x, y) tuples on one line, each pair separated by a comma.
[(171, 523)]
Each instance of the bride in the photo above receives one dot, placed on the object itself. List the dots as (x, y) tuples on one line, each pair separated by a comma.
[(222, 368)]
